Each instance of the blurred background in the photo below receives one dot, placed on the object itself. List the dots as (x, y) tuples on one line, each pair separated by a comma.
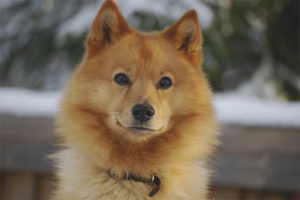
[(251, 58)]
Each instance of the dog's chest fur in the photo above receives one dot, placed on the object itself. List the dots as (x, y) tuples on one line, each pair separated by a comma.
[(83, 180)]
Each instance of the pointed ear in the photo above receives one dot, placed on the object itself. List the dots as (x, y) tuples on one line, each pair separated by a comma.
[(108, 27), (186, 37)]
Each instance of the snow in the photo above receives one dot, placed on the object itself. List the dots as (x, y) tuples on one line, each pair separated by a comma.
[(8, 3), (234, 108), (78, 23), (231, 108), (172, 9), (29, 103)]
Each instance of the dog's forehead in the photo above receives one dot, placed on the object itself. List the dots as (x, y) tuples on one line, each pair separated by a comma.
[(146, 45), (143, 55), (152, 51)]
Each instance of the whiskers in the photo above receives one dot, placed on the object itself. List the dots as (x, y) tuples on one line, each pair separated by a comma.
[(117, 115)]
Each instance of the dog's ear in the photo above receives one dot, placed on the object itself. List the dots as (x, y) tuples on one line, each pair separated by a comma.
[(108, 27), (185, 35)]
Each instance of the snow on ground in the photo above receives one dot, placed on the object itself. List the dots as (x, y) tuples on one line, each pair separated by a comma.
[(22, 102), (244, 110), (231, 108)]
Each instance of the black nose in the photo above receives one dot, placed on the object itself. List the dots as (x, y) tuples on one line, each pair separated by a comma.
[(142, 112)]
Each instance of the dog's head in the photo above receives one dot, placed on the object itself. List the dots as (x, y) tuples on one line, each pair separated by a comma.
[(141, 84)]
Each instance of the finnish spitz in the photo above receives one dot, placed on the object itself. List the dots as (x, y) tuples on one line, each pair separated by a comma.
[(136, 119)]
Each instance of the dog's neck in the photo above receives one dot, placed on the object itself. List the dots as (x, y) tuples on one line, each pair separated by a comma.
[(126, 176)]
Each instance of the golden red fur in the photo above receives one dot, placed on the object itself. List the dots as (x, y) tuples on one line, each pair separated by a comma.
[(96, 113)]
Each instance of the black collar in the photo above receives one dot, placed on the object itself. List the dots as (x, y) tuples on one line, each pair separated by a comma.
[(154, 180)]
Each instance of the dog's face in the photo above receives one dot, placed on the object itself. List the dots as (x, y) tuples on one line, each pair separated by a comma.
[(141, 84)]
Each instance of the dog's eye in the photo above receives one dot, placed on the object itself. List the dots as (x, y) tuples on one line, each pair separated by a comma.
[(165, 83), (122, 79)]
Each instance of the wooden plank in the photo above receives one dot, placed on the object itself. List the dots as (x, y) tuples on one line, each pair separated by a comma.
[(25, 143), (27, 130), (249, 195), (257, 171), (227, 193), (17, 186), (19, 157), (258, 157), (44, 187), (224, 193), (284, 141), (249, 157)]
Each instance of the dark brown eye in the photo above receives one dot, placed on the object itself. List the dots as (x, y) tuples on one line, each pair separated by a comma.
[(165, 83), (122, 79)]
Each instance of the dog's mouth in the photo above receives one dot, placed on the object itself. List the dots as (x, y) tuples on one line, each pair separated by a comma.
[(141, 128), (137, 129)]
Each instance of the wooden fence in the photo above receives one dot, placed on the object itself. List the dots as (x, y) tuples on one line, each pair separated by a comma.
[(252, 162)]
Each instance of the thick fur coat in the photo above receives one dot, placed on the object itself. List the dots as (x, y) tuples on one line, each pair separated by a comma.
[(98, 129)]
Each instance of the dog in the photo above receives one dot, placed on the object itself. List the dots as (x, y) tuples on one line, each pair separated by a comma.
[(136, 119)]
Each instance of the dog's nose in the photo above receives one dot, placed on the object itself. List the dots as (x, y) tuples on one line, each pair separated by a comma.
[(142, 112)]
